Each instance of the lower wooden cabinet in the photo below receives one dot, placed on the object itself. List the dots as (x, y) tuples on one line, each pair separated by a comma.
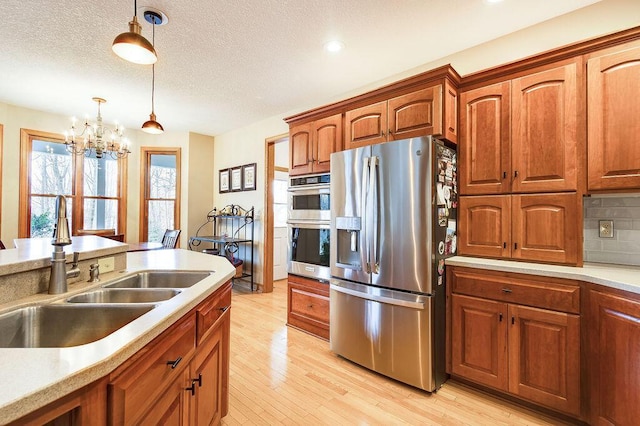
[(614, 355), (308, 305), (181, 377), (528, 351)]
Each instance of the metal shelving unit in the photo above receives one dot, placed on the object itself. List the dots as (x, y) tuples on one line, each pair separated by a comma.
[(233, 228)]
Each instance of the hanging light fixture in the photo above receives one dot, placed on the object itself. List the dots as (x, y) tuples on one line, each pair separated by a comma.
[(97, 138), (132, 46), (152, 126)]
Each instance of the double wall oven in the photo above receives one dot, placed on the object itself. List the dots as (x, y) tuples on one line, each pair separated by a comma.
[(309, 226)]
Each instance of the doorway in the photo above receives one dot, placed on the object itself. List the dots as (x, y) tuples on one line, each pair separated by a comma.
[(276, 148)]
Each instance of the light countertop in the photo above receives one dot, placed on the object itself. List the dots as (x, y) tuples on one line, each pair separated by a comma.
[(33, 377), (615, 276)]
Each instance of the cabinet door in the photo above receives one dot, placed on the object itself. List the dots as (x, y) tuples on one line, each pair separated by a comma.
[(366, 125), (485, 140), (544, 357), (300, 146), (416, 114), (327, 139), (172, 408), (479, 340), (308, 305), (613, 120), (485, 226), (206, 375), (546, 227), (614, 326), (545, 131)]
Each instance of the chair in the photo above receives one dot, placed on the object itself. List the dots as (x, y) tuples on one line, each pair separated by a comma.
[(170, 238), (2, 247)]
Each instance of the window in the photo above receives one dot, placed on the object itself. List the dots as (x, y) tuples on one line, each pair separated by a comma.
[(93, 187), (160, 204)]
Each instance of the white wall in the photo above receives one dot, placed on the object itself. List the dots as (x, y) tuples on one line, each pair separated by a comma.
[(242, 146)]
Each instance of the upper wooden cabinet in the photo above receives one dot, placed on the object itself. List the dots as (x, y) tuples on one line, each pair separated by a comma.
[(311, 145), (414, 114), (534, 227), (522, 135), (613, 79), (485, 140), (421, 105)]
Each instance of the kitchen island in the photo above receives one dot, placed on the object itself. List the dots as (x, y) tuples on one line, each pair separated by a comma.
[(32, 378)]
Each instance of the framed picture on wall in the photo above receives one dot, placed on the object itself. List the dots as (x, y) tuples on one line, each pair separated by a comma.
[(236, 178), (224, 180), (249, 177)]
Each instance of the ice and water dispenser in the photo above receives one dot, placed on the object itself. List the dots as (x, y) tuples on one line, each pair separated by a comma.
[(348, 242)]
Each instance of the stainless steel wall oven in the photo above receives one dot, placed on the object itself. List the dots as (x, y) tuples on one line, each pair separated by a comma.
[(309, 223)]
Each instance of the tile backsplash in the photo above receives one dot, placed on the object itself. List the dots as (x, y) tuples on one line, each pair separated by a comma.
[(624, 247)]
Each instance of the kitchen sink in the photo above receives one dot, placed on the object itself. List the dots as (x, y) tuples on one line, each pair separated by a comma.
[(61, 326), (125, 295), (160, 279)]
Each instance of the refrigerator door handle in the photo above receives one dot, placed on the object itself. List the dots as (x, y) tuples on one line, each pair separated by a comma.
[(373, 188), (364, 253), (376, 298)]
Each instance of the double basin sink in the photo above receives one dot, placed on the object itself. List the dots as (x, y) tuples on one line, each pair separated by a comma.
[(90, 316)]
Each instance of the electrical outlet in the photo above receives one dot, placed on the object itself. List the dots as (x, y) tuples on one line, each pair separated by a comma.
[(107, 264), (606, 228)]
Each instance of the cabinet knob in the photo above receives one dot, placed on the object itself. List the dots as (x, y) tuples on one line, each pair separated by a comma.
[(310, 306), (175, 363), (507, 290)]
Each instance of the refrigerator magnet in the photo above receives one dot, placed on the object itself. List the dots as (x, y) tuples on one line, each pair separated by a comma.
[(442, 216), (441, 267), (441, 247)]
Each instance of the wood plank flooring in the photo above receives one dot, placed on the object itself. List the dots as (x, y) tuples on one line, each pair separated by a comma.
[(282, 376)]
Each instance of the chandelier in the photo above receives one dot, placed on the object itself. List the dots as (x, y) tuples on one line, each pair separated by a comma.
[(96, 138)]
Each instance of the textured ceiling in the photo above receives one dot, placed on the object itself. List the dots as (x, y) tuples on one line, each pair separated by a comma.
[(227, 63)]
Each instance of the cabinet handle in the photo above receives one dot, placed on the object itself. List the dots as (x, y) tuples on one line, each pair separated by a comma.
[(192, 388), (513, 320), (390, 132), (504, 245), (500, 317), (199, 380), (506, 290), (515, 246), (175, 363), (515, 174), (310, 306), (504, 175), (224, 309)]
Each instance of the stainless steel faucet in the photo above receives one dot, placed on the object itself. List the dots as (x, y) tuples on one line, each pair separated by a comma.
[(61, 238)]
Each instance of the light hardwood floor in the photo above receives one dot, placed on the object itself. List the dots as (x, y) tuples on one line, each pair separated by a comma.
[(280, 375)]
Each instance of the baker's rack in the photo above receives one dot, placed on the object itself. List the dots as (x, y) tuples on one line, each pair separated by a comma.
[(233, 229)]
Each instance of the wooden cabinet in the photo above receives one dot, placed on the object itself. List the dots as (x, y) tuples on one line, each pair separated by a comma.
[(311, 145), (536, 227), (182, 376), (86, 406), (423, 112), (522, 135), (485, 140), (517, 335), (308, 305), (614, 331), (613, 108)]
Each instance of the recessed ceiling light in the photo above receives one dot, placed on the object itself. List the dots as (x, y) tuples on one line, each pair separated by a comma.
[(333, 46), (493, 1)]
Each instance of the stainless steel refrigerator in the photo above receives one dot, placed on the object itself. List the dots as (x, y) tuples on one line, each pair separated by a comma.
[(393, 222)]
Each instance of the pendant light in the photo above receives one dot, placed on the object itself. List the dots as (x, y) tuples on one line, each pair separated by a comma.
[(152, 126), (132, 46)]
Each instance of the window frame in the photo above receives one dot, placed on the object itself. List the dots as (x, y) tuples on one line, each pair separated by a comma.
[(27, 136), (145, 159)]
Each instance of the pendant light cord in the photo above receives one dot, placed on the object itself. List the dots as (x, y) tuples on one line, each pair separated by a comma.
[(135, 8), (153, 67)]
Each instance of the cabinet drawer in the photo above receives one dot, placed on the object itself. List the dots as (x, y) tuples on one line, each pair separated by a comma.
[(144, 378), (211, 310), (310, 305), (539, 291)]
